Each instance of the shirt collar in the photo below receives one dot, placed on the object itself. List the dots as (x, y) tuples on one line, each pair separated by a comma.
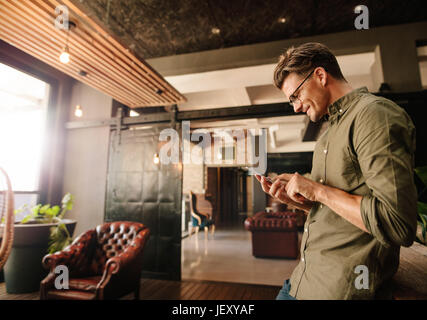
[(340, 106)]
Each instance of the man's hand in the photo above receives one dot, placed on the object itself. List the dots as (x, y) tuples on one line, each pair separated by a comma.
[(301, 189), (303, 193), (277, 190)]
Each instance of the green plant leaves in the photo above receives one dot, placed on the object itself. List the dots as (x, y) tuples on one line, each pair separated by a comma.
[(422, 214), (67, 204), (59, 238), (422, 174), (59, 235)]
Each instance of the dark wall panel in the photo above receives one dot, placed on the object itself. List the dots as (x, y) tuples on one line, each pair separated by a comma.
[(139, 190)]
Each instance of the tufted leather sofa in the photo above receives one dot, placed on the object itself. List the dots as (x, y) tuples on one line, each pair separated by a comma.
[(103, 263), (274, 234), (300, 216)]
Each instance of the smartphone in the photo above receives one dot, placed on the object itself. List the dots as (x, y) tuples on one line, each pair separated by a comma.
[(268, 179)]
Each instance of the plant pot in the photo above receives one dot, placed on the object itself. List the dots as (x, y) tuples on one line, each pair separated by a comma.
[(23, 270)]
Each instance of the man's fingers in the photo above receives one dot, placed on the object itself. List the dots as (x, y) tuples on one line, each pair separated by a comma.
[(275, 186), (279, 194), (292, 192), (296, 197), (265, 185), (285, 176)]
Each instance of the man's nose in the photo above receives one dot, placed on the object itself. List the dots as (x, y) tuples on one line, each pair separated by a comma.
[(297, 106)]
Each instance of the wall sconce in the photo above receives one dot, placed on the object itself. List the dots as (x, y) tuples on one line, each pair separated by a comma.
[(156, 158), (216, 30), (78, 112)]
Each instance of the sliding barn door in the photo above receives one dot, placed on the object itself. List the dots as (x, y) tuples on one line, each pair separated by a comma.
[(140, 190)]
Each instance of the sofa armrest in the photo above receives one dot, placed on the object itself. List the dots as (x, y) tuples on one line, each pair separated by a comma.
[(73, 254), (121, 264)]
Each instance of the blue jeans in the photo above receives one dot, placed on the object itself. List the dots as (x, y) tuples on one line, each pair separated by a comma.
[(284, 292)]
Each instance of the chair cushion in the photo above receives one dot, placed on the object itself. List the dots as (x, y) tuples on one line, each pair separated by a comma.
[(70, 295), (84, 284), (205, 222)]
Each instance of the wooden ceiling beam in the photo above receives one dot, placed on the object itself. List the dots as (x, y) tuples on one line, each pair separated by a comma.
[(93, 44), (110, 66), (159, 80), (79, 51), (28, 46)]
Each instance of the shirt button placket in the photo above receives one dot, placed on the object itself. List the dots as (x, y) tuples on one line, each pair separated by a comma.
[(325, 151)]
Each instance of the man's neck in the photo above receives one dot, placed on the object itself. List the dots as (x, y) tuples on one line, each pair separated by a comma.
[(339, 89)]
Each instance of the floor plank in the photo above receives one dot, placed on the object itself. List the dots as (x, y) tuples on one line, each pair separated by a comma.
[(154, 289)]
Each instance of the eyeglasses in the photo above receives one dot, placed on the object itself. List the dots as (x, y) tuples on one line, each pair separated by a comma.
[(293, 99)]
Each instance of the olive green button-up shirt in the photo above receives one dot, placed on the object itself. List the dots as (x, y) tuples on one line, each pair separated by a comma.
[(368, 150)]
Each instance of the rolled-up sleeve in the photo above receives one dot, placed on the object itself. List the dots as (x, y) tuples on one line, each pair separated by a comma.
[(384, 141)]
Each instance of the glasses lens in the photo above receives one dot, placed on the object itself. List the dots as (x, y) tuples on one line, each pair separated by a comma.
[(294, 102)]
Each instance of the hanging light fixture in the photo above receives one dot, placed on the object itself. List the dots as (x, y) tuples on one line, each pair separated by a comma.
[(78, 112), (65, 53)]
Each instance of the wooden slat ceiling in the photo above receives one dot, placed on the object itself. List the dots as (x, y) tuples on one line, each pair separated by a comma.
[(111, 67)]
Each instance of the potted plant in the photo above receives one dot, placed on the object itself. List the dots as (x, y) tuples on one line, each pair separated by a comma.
[(421, 181), (43, 230)]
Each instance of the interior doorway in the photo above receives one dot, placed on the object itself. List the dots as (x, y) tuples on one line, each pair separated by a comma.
[(227, 255), (227, 191)]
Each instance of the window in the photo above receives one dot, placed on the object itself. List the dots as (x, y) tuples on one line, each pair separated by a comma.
[(23, 112)]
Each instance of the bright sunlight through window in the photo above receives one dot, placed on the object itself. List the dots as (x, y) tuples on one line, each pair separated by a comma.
[(23, 110)]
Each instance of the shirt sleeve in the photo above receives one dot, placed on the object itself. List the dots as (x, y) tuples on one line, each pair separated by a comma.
[(384, 141)]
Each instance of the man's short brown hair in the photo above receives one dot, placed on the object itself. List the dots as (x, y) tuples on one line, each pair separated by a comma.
[(305, 58)]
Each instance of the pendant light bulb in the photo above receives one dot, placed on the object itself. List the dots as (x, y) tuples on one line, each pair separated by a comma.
[(78, 112), (65, 56), (156, 158)]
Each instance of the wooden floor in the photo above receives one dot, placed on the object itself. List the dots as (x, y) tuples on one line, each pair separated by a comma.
[(410, 281), (227, 257), (182, 290)]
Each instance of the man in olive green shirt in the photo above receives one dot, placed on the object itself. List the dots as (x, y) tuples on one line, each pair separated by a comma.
[(361, 199)]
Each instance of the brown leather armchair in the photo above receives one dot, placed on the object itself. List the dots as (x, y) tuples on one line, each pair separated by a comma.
[(274, 234), (103, 263)]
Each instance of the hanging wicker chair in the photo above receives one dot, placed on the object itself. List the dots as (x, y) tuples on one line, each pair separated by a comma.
[(7, 217)]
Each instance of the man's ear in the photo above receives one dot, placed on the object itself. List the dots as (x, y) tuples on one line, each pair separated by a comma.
[(322, 75)]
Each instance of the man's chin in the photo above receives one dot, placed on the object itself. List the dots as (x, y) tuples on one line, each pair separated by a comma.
[(313, 117)]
